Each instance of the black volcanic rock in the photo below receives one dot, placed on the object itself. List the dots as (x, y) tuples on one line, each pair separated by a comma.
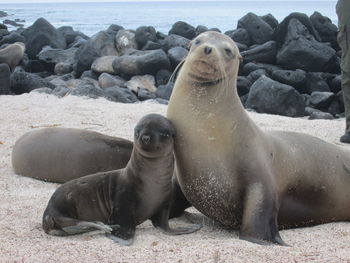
[(269, 96), (5, 79), (264, 53), (141, 63), (41, 34), (325, 28), (176, 55), (144, 34), (240, 35), (302, 51), (271, 20), (23, 82), (175, 41), (259, 31), (183, 29), (295, 78)]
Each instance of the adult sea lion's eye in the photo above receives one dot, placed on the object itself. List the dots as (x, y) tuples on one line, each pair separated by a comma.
[(228, 52)]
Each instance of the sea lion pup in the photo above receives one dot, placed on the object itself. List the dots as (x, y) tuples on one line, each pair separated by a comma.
[(117, 201), (62, 154), (236, 173), (12, 54)]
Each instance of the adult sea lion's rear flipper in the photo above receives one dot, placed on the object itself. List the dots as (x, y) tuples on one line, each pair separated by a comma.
[(161, 222)]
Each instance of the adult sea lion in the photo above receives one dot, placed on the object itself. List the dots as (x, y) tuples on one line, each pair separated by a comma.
[(62, 154), (236, 173), (117, 201), (12, 54)]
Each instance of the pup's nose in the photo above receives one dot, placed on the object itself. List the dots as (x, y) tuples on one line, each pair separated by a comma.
[(146, 139), (207, 50)]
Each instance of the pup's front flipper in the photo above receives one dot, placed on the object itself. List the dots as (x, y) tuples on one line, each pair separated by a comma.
[(123, 235)]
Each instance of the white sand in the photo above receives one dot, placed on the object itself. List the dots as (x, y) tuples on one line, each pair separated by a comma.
[(23, 200)]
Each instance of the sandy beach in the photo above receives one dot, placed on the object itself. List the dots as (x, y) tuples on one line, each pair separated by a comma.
[(23, 200)]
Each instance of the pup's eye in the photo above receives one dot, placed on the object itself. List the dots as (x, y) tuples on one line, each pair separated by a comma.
[(197, 42), (164, 134), (228, 52), (137, 133)]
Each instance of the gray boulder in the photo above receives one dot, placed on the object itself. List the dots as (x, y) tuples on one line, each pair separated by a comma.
[(42, 34), (103, 64), (259, 31), (141, 63), (23, 82), (294, 78), (176, 55), (174, 41), (264, 53), (240, 35), (145, 34), (54, 55), (269, 96), (302, 51), (125, 40), (321, 100), (164, 91), (183, 29), (325, 28), (106, 80), (5, 79), (122, 95)]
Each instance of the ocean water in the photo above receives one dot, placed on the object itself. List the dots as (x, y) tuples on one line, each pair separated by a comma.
[(90, 18)]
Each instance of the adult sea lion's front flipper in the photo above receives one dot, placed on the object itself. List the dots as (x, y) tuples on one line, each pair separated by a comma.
[(161, 222)]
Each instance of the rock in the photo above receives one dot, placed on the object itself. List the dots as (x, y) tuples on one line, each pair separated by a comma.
[(55, 56), (63, 68), (281, 31), (269, 96), (42, 90), (89, 74), (264, 53), (3, 14), (321, 116), (161, 36), (150, 45), (106, 80), (294, 78), (13, 37), (240, 35), (144, 94), (336, 107), (103, 64), (310, 110), (36, 66), (271, 20), (12, 23), (183, 29), (325, 28), (146, 82), (61, 91), (336, 84), (144, 34), (251, 66), (114, 28), (88, 88), (176, 55), (164, 91), (316, 82), (5, 79), (125, 40), (175, 41), (243, 85), (256, 74), (259, 31), (22, 82), (141, 63), (122, 95), (70, 35), (162, 77), (302, 51), (201, 29), (41, 34), (321, 100), (2, 26)]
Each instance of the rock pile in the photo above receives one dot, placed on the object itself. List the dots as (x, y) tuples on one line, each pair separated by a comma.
[(289, 68)]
